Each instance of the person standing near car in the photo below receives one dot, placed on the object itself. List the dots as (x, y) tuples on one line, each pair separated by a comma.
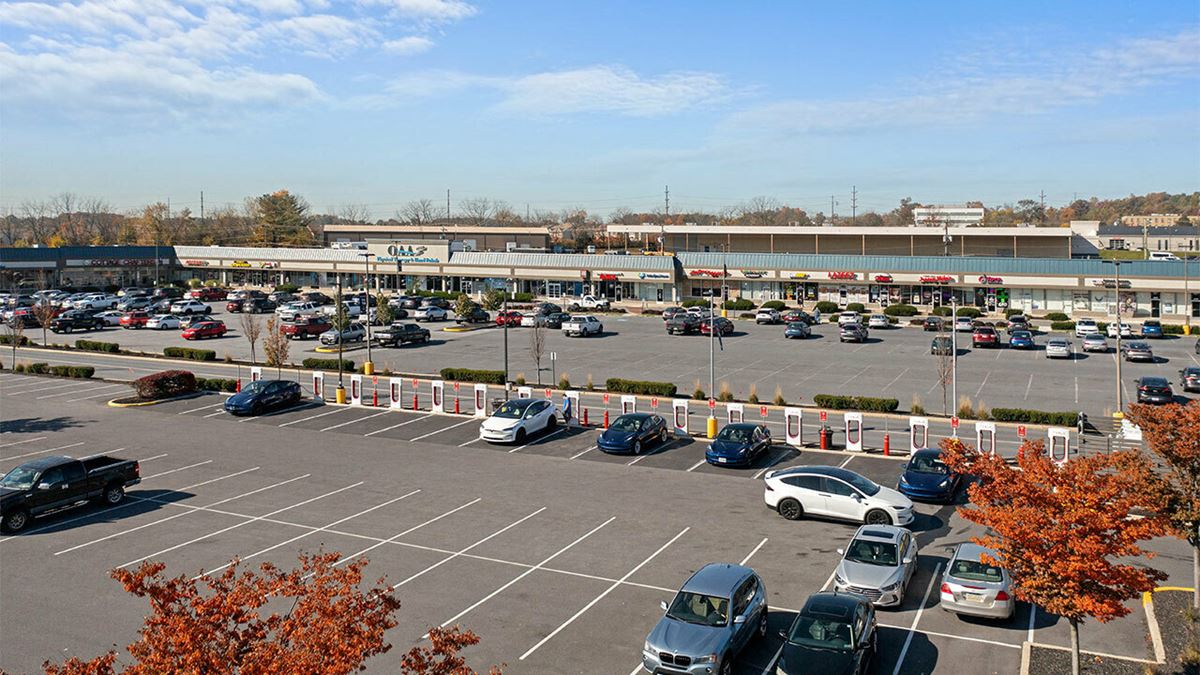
[(816, 316), (566, 409)]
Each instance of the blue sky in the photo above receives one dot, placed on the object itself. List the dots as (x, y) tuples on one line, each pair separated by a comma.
[(598, 105)]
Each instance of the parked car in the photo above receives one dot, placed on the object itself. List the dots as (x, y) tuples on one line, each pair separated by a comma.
[(797, 329), (848, 317), (74, 320), (1021, 339), (259, 306), (1018, 322), (555, 320), (670, 312), (291, 310), (48, 485), (260, 396), (163, 322), (135, 319), (477, 314), (798, 315), (510, 318), (582, 325), (547, 308), (1085, 326), (877, 564), (1189, 378), (95, 301), (985, 336), (765, 315), (185, 307), (684, 324), (1137, 351), (306, 326), (712, 618), (878, 321), (397, 334), (926, 477), (833, 633), (701, 312), (942, 345), (932, 324), (1058, 348), (1154, 389), (434, 301), (964, 324), (204, 329), (167, 293), (589, 302), (722, 325), (206, 293), (852, 332), (530, 320), (517, 419), (1125, 329), (974, 588), (632, 433), (280, 297), (132, 302), (161, 306), (431, 313), (832, 492), (1152, 328), (245, 294), (194, 319), (739, 445), (315, 296), (354, 332), (1095, 343), (110, 317)]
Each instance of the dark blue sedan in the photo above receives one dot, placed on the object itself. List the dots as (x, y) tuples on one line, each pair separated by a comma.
[(633, 432), (738, 445), (1020, 339), (1152, 328), (926, 478), (258, 397)]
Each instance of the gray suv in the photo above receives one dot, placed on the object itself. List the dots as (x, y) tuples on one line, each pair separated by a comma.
[(712, 618), (878, 564)]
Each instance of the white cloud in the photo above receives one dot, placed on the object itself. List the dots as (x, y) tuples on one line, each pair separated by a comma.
[(407, 46), (320, 34), (426, 10)]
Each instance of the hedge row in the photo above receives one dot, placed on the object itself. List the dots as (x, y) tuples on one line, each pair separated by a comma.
[(165, 384), (473, 375), (739, 305), (1062, 325), (941, 311), (826, 307), (95, 346), (856, 307), (694, 303), (1066, 419), (82, 372), (835, 402), (1057, 316), (774, 304), (970, 312), (190, 354), (8, 340), (617, 385), (901, 310), (216, 384), (327, 364)]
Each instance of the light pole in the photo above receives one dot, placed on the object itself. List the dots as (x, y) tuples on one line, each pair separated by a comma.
[(711, 426), (339, 394), (369, 366), (954, 355), (504, 311), (1120, 413)]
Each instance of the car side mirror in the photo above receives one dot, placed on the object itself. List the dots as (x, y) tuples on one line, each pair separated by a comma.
[(783, 634), (663, 604), (841, 551), (43, 486), (739, 619), (908, 559)]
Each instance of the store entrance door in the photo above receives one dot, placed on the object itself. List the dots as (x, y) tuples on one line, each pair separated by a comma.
[(1155, 305)]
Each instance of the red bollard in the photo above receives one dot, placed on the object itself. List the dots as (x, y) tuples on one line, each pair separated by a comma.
[(416, 404), (239, 384), (887, 445), (585, 419), (824, 439), (456, 405), (375, 397), (605, 419)]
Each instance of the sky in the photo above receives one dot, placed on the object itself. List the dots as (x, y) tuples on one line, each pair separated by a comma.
[(599, 105)]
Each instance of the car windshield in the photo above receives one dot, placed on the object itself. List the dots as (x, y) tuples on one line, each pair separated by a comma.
[(20, 478), (1021, 334), (706, 610), (256, 387), (923, 463), (795, 325), (881, 553), (973, 570), (511, 410), (734, 434), (864, 485), (821, 633), (626, 423)]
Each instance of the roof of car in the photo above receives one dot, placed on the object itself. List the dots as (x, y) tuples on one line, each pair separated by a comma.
[(716, 579), (880, 532), (832, 605), (971, 551), (637, 416), (928, 452), (521, 402), (1154, 380), (1138, 345), (832, 471), (742, 425)]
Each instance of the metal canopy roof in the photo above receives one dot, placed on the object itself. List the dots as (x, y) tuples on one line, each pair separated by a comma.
[(582, 261)]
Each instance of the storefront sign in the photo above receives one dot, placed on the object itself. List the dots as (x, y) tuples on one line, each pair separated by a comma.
[(843, 275), (111, 262), (883, 278), (268, 265), (196, 263), (1110, 283), (609, 276), (753, 274), (797, 275), (937, 279), (654, 275), (985, 279), (417, 251), (716, 274), (239, 263)]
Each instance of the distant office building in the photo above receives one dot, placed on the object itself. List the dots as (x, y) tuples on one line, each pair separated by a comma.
[(1156, 220), (954, 216), (473, 237)]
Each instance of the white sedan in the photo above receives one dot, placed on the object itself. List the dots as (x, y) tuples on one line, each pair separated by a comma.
[(878, 321), (531, 319), (964, 324), (110, 318), (431, 313), (1126, 330), (163, 322), (517, 420)]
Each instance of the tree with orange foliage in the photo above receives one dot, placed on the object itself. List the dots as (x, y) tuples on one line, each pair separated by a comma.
[(328, 624), (1058, 529), (1173, 434)]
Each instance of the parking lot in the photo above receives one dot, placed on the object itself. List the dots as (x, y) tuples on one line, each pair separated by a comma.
[(892, 363), (556, 554)]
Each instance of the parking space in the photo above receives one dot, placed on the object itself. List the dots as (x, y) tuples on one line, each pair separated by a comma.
[(556, 554)]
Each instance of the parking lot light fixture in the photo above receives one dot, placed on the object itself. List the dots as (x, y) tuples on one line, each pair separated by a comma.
[(954, 356), (340, 392)]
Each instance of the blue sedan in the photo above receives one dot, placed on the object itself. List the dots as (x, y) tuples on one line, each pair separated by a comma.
[(738, 445), (630, 433), (263, 395), (1020, 339), (1152, 329), (925, 477)]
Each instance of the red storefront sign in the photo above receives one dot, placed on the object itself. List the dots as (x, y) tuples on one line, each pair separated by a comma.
[(937, 279), (706, 273), (196, 263), (985, 279), (609, 277), (843, 275), (883, 278)]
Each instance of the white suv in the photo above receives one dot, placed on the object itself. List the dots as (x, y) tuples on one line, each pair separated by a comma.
[(187, 307), (1086, 327), (832, 492), (848, 317), (582, 326)]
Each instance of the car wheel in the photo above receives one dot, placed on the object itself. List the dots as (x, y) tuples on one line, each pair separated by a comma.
[(113, 494), (637, 447), (726, 665), (520, 437), (551, 423), (878, 517), (762, 624), (662, 436), (15, 521), (790, 509)]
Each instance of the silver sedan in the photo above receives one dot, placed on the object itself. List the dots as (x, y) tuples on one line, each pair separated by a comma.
[(973, 587)]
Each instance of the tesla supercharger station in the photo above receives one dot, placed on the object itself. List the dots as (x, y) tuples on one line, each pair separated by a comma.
[(918, 433), (573, 397), (481, 400), (679, 415), (853, 431), (524, 392), (439, 399), (318, 384), (628, 404), (1059, 440), (985, 437), (356, 390), (255, 374), (793, 426), (395, 393), (734, 413)]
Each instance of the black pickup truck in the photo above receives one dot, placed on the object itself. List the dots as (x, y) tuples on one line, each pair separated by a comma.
[(75, 320), (399, 333), (51, 484)]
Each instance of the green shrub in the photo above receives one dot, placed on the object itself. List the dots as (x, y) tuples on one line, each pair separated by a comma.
[(190, 354), (900, 310), (165, 384), (621, 386), (1057, 316), (941, 311), (19, 368), (826, 307), (1065, 419), (8, 340), (472, 375), (1062, 325), (216, 384), (1012, 312), (287, 288), (95, 346), (520, 297), (835, 402), (1172, 329), (774, 304), (856, 307), (72, 371), (38, 368), (328, 364), (970, 312), (695, 302), (739, 305)]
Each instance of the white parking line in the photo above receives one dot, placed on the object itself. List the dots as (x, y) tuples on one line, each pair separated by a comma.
[(84, 398), (353, 421), (522, 575), (27, 440), (582, 453), (26, 390), (397, 426), (894, 380), (463, 445), (770, 464), (199, 409), (410, 530), (219, 412), (68, 393), (912, 629), (41, 452), (305, 419), (989, 374), (843, 464), (233, 527), (453, 426), (182, 468), (1027, 388), (753, 551), (1032, 616), (697, 465), (153, 457), (543, 438), (461, 551), (178, 515), (600, 597)]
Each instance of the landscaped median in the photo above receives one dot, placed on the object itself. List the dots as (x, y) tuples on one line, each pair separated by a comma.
[(161, 387)]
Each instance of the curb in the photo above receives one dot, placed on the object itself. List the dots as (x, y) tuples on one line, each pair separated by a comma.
[(141, 404), (334, 350)]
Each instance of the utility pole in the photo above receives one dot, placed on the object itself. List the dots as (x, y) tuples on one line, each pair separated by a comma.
[(447, 213), (953, 356), (1042, 211), (667, 201), (853, 204), (1120, 413), (202, 209), (832, 211)]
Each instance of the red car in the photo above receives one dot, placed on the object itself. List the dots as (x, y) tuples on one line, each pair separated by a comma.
[(985, 336), (511, 317), (204, 329), (135, 319), (207, 294), (724, 326)]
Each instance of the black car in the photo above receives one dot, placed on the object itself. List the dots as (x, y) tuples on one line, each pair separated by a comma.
[(317, 297), (263, 395), (942, 345), (258, 306), (834, 634), (547, 308), (633, 432), (683, 324), (1154, 389), (556, 319), (1189, 378), (75, 320), (435, 302), (398, 333), (932, 324), (852, 332), (476, 315)]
